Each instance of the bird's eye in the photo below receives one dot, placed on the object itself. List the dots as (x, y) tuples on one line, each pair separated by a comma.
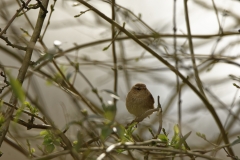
[(138, 88)]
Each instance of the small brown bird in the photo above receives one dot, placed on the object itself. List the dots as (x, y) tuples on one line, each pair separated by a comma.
[(139, 100)]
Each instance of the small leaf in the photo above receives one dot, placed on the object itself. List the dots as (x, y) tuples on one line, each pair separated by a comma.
[(77, 15), (24, 31), (176, 138), (183, 140), (43, 133), (237, 141), (105, 48), (80, 140), (2, 119), (106, 131), (120, 130), (75, 143), (17, 88), (47, 141), (129, 131), (110, 112), (201, 135), (176, 129), (19, 112), (151, 131), (32, 150), (164, 131), (31, 108), (234, 84), (49, 148), (163, 137)]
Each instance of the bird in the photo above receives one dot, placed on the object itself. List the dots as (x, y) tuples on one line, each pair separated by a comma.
[(139, 100)]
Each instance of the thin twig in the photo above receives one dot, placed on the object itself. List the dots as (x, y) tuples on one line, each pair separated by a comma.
[(73, 90), (159, 117), (13, 45), (125, 146), (142, 117), (15, 15), (23, 69), (48, 21), (203, 98), (178, 88), (198, 80), (115, 85)]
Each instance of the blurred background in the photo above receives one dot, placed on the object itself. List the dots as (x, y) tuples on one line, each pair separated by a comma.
[(82, 44)]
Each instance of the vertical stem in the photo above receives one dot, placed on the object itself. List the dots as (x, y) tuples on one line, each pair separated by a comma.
[(216, 11), (198, 81), (114, 53), (23, 69), (124, 65), (178, 88), (176, 65)]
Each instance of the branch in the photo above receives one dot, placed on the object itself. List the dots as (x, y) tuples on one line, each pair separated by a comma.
[(115, 86), (143, 116), (172, 68), (24, 67), (15, 15), (159, 118), (13, 45)]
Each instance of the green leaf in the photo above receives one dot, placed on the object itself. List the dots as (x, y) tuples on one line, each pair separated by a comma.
[(201, 135), (49, 148), (47, 141), (183, 140), (176, 129), (105, 48), (237, 141), (26, 32), (80, 140), (32, 150), (2, 119), (128, 133), (31, 108), (163, 138), (45, 56), (75, 143), (106, 131), (43, 133), (176, 138), (1, 103), (164, 131), (120, 131), (110, 112), (151, 131), (19, 112), (17, 88)]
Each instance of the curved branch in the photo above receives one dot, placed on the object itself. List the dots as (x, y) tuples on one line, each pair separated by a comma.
[(172, 68)]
